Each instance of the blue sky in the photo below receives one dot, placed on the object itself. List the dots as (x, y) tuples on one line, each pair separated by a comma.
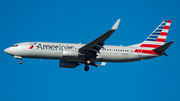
[(82, 21)]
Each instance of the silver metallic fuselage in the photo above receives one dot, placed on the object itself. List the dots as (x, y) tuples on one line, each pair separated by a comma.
[(48, 50)]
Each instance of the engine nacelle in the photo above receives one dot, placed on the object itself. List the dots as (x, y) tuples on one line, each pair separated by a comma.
[(70, 53), (67, 64)]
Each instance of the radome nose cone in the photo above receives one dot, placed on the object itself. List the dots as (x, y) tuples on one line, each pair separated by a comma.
[(6, 50)]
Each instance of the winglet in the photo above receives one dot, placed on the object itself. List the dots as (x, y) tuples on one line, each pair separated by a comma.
[(115, 26)]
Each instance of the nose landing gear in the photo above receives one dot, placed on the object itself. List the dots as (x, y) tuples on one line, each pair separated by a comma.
[(20, 61), (18, 57)]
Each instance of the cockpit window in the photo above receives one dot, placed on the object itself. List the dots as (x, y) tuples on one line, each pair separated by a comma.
[(14, 45)]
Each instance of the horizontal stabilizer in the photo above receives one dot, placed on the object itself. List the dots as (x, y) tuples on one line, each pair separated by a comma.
[(163, 47)]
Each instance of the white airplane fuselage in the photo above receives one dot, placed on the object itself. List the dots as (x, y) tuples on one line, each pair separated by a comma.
[(48, 50)]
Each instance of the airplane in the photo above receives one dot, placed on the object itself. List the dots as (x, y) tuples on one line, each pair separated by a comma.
[(71, 55)]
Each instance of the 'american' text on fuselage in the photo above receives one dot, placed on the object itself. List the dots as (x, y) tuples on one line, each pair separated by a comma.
[(54, 47)]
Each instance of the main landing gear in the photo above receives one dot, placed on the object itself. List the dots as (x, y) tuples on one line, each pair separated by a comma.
[(86, 68), (87, 62)]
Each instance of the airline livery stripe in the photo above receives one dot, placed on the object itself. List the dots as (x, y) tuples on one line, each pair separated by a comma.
[(155, 33), (153, 37), (168, 24), (169, 21), (150, 45), (151, 40), (160, 40), (158, 30), (162, 37), (165, 30), (163, 33), (146, 51), (166, 27)]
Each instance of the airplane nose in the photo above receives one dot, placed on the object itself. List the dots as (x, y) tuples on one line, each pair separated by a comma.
[(7, 50)]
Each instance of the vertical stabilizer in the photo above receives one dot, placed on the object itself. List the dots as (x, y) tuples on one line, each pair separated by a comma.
[(160, 33), (158, 36), (156, 39)]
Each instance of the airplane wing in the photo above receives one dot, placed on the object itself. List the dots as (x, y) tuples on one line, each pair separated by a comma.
[(98, 43)]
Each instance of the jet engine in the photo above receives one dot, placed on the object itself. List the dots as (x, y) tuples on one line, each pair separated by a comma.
[(67, 64), (70, 53)]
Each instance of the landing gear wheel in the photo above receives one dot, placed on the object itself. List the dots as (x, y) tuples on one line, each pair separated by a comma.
[(88, 62), (86, 68), (20, 62)]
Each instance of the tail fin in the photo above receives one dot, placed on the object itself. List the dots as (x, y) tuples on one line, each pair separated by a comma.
[(158, 36), (155, 43), (160, 33)]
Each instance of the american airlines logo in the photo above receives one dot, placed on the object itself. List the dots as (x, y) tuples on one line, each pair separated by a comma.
[(31, 47), (51, 47)]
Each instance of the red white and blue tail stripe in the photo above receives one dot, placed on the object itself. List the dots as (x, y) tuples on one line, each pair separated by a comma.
[(159, 34), (156, 39)]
